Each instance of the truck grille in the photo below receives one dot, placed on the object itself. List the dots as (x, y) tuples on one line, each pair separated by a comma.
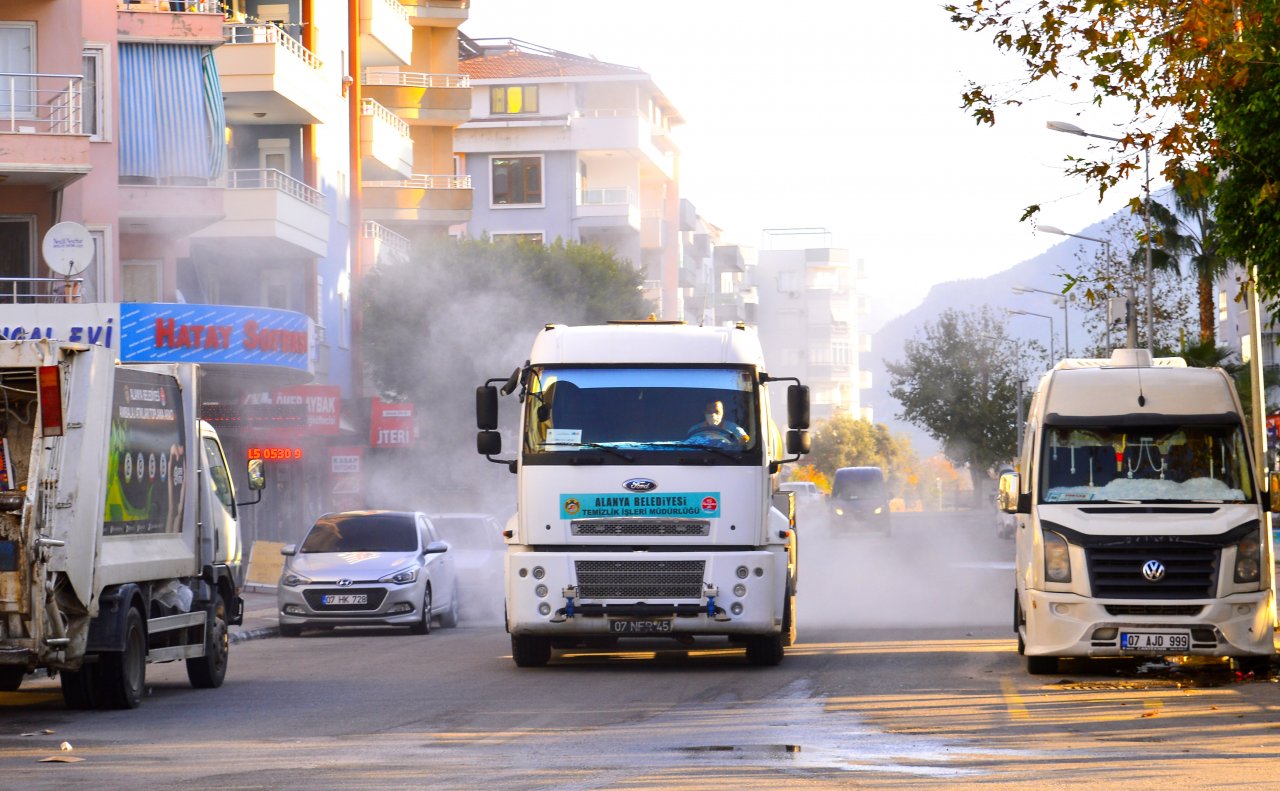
[(1155, 609), (641, 527), (640, 579), (1115, 571)]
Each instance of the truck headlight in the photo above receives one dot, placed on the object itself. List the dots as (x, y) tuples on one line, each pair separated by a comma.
[(291, 580), (402, 577), (1057, 558), (1248, 560)]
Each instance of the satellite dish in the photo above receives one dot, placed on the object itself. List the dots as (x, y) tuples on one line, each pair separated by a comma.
[(68, 248)]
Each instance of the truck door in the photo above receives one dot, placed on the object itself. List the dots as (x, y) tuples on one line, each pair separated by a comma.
[(218, 506)]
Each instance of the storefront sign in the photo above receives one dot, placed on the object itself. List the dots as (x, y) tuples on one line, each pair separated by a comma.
[(346, 484), (391, 425), (275, 453), (323, 403)]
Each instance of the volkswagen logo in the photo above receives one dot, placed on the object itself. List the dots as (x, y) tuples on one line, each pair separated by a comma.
[(1153, 570), (349, 583), (639, 485)]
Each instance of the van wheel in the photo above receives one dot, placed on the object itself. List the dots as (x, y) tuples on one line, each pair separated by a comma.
[(765, 650), (208, 671), (1042, 665), (124, 673), (11, 678), (1259, 666), (530, 650)]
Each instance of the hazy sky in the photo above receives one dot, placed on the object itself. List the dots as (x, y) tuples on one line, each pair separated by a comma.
[(841, 114)]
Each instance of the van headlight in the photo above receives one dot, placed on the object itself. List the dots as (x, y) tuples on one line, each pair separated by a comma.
[(1248, 560), (402, 577), (1057, 558)]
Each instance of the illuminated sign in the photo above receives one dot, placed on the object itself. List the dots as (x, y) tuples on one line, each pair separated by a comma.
[(272, 453)]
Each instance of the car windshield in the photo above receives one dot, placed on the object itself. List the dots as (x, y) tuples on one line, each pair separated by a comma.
[(857, 488), (463, 532), (1171, 463), (362, 533), (622, 411)]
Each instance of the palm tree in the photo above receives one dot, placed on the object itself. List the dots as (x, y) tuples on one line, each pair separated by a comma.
[(1190, 232)]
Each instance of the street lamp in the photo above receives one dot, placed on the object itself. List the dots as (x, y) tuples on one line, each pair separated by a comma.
[(1052, 355), (1066, 317), (1072, 129), (1130, 319)]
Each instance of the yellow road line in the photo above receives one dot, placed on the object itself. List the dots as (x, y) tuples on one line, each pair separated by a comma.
[(1013, 701)]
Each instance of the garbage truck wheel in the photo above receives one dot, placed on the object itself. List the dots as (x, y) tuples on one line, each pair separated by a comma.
[(123, 674), (208, 671), (11, 678), (79, 687)]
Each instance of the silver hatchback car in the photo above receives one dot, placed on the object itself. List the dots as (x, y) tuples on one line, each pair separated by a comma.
[(367, 568)]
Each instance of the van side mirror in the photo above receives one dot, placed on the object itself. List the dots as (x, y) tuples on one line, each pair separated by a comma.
[(1007, 497), (257, 478), (487, 408), (798, 407)]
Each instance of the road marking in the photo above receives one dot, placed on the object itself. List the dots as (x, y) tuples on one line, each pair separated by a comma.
[(1013, 701)]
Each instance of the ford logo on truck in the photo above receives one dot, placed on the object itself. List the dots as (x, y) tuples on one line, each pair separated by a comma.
[(639, 485)]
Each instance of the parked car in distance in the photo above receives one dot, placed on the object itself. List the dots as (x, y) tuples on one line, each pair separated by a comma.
[(366, 568), (860, 500), (478, 549), (806, 491)]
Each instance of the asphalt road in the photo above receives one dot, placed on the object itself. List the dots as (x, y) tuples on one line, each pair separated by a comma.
[(905, 675)]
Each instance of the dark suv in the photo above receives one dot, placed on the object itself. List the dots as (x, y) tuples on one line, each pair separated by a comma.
[(859, 500)]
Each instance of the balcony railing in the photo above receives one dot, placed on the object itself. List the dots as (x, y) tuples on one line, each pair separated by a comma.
[(26, 290), (172, 6), (270, 178), (411, 79), (270, 34), (371, 108), (382, 234), (396, 8), (620, 196), (426, 182), (49, 104)]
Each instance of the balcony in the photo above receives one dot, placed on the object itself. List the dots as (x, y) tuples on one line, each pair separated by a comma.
[(169, 21), (386, 37), (728, 258), (614, 208), (268, 214), (168, 209), (42, 136), (381, 245), (269, 78), (653, 232), (428, 99), (437, 13), (431, 199), (386, 150), (605, 129)]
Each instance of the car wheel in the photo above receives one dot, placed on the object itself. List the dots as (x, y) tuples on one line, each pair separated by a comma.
[(123, 674), (208, 671), (423, 624), (765, 650), (1042, 665), (530, 650), (450, 617), (290, 630), (11, 678)]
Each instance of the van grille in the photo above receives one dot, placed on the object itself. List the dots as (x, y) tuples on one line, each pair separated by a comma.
[(1190, 610), (640, 579), (1115, 571), (642, 527)]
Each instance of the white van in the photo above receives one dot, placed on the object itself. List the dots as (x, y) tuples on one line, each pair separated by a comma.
[(1140, 523)]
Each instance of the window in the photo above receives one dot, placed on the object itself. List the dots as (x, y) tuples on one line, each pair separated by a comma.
[(18, 56), (517, 181), (273, 154), (93, 103), (512, 99), (17, 241), (216, 464), (141, 281), (531, 238)]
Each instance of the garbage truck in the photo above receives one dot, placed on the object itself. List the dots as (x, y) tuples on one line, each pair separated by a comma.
[(119, 538), (647, 462), (1142, 525)]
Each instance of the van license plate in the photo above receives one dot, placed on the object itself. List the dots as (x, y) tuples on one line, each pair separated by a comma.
[(658, 626), (1155, 642), (345, 598)]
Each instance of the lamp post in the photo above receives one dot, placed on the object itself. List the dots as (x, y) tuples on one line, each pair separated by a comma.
[(1130, 319), (1066, 316), (1052, 355), (1072, 129)]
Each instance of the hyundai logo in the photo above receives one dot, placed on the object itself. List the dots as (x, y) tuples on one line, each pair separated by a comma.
[(639, 485), (1153, 570), (349, 583)]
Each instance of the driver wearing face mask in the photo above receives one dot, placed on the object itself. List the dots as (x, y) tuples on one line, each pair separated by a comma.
[(715, 426)]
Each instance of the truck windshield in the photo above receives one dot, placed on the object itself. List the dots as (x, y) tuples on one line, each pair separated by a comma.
[(1173, 463), (624, 411)]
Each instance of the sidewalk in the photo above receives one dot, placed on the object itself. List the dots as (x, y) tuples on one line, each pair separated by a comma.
[(259, 615)]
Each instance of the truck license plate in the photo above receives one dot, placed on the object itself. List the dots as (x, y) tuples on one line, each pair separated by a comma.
[(654, 626), (1156, 642), (345, 598)]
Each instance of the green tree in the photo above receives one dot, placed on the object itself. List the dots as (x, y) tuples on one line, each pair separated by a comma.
[(843, 441), (959, 382)]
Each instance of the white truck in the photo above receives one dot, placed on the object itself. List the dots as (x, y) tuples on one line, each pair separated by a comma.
[(646, 506), (119, 543), (1141, 527)]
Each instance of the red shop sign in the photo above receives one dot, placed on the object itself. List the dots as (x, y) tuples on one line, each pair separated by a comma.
[(391, 425)]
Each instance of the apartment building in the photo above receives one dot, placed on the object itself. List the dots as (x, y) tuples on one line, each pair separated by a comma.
[(809, 318), (560, 146)]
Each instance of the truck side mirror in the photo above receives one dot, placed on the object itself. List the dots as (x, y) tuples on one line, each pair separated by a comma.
[(488, 443), (257, 478), (797, 442), (1007, 496), (487, 408), (798, 407)]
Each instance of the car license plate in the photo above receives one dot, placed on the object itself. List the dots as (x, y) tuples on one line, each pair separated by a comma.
[(345, 598), (654, 626), (1156, 642)]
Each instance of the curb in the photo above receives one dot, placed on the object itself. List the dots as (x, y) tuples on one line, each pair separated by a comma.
[(241, 636)]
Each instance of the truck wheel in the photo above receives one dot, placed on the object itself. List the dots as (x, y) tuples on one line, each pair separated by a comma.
[(423, 624), (530, 650), (123, 674), (450, 617), (79, 689), (789, 621), (765, 650), (207, 672), (11, 678), (1042, 665)]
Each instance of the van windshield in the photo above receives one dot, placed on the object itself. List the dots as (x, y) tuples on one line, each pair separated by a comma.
[(858, 487), (1172, 463)]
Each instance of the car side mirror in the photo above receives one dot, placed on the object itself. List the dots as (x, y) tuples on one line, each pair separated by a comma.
[(289, 550), (257, 478), (435, 548), (1007, 496)]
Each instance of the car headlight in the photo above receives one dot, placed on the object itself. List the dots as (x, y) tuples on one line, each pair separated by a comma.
[(292, 580), (1248, 560), (1057, 558), (403, 577), (839, 512), (879, 509)]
